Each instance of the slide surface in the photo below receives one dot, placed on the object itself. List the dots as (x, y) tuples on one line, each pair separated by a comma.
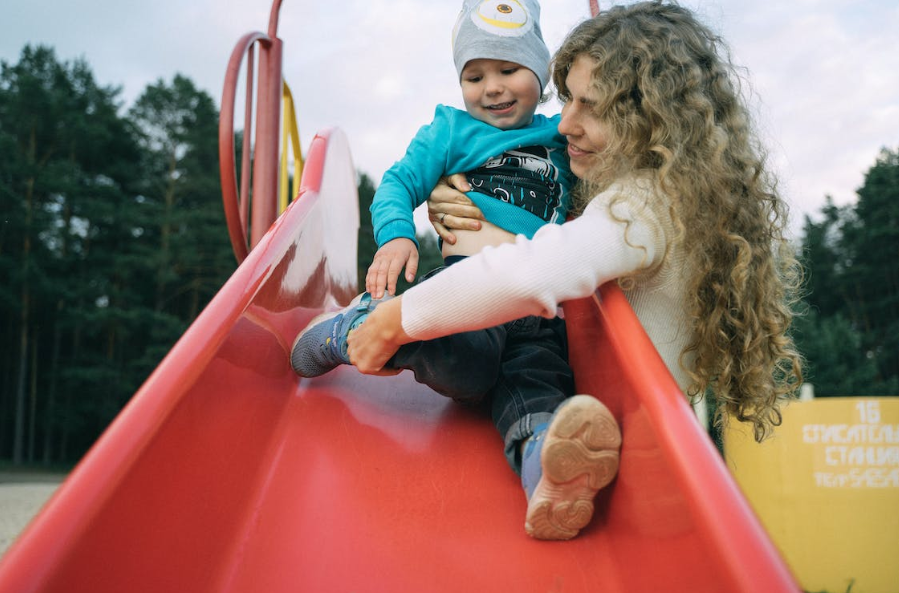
[(228, 473)]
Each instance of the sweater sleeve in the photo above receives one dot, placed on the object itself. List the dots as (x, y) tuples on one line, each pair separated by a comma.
[(531, 277), (407, 184)]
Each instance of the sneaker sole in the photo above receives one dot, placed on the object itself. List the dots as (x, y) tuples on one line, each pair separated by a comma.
[(579, 457)]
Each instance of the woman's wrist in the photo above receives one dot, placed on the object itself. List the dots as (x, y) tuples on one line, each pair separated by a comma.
[(388, 322), (371, 345)]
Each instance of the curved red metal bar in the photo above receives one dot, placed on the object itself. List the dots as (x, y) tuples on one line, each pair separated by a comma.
[(236, 202), (265, 146), (227, 473), (273, 19)]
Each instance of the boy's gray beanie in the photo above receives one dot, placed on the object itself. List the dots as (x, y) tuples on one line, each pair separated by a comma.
[(506, 30)]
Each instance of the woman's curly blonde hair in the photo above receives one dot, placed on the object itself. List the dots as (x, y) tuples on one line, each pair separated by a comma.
[(672, 103)]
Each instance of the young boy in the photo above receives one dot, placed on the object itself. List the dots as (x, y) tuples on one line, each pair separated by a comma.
[(516, 163), (514, 160)]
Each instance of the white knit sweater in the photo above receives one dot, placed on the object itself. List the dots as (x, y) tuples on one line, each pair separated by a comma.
[(531, 277)]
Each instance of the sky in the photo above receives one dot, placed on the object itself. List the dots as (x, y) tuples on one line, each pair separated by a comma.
[(822, 74)]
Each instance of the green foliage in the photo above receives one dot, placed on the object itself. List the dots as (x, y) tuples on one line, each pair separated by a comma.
[(839, 363), (112, 240), (366, 246), (850, 336)]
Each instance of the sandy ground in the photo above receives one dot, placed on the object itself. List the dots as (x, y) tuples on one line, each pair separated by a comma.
[(21, 497)]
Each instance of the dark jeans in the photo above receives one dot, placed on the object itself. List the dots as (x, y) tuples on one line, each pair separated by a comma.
[(520, 367)]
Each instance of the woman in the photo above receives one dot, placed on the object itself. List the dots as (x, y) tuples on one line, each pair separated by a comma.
[(675, 204)]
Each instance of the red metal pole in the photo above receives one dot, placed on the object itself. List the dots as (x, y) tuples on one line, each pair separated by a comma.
[(268, 124), (246, 144), (265, 162), (273, 19), (268, 119), (233, 201)]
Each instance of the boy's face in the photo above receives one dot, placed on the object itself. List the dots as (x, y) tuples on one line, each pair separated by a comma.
[(502, 94)]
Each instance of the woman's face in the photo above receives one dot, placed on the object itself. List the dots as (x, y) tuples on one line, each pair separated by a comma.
[(585, 133)]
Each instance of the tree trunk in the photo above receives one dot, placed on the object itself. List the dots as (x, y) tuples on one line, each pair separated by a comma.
[(53, 379), (19, 428), (51, 388), (67, 401), (32, 412), (166, 232)]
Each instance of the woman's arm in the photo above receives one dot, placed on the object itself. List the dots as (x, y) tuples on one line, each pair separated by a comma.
[(562, 262), (529, 277)]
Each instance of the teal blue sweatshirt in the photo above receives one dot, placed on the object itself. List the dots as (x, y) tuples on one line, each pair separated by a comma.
[(520, 178)]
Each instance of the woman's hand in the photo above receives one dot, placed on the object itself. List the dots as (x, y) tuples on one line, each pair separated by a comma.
[(449, 208), (373, 343)]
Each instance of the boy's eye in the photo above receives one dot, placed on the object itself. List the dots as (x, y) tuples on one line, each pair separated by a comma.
[(508, 71), (473, 79)]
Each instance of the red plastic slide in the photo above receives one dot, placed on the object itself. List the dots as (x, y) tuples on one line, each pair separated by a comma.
[(228, 473)]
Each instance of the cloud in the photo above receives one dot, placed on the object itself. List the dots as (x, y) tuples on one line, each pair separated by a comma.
[(831, 95)]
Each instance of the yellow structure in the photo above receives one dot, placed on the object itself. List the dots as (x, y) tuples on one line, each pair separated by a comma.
[(826, 487), (290, 142)]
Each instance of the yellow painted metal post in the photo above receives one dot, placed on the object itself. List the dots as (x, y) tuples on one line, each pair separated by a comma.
[(290, 142)]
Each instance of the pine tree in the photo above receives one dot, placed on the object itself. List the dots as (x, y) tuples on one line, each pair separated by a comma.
[(70, 159), (187, 244), (851, 335)]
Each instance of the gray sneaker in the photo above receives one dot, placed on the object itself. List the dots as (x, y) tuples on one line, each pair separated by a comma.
[(322, 346), (564, 465)]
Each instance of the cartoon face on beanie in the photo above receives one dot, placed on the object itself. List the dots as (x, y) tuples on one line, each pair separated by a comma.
[(507, 30), (506, 18)]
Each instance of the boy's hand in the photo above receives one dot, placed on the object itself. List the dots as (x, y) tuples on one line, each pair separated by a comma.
[(387, 264)]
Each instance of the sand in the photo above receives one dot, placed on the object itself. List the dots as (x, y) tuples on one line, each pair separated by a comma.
[(21, 497)]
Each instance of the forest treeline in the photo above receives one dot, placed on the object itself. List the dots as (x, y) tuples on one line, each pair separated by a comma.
[(112, 240)]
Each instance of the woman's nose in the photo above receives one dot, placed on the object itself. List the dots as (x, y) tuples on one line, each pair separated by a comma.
[(568, 123)]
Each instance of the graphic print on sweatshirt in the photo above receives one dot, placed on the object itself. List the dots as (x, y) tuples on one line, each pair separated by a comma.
[(524, 177)]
